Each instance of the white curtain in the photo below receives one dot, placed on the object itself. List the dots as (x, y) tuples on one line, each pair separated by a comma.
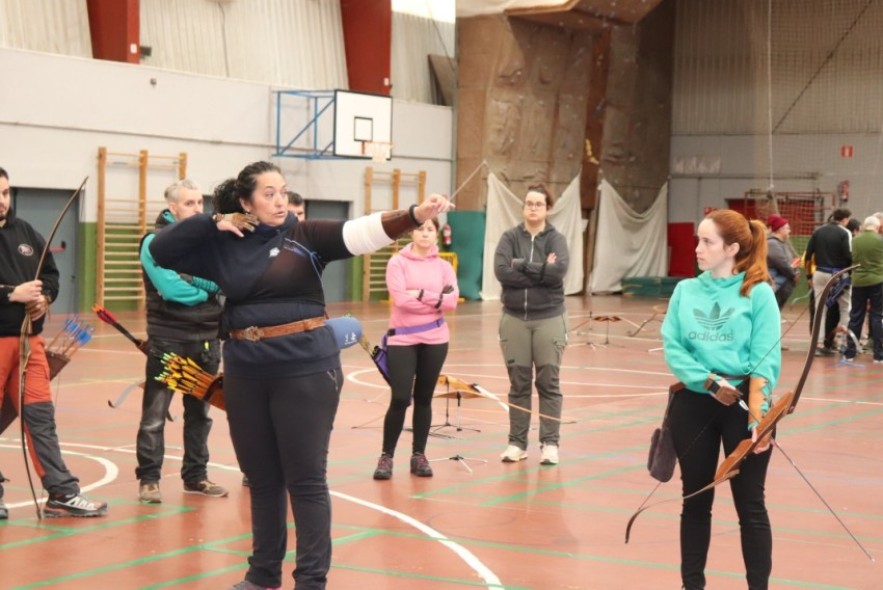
[(467, 8), (50, 26), (505, 210), (413, 39), (628, 244), (291, 43)]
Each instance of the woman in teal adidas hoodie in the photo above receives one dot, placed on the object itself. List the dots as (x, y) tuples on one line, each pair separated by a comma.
[(721, 339)]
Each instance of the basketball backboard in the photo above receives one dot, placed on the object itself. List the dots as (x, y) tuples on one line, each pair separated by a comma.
[(360, 118), (320, 124)]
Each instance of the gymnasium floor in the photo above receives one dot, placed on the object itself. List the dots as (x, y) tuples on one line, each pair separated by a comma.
[(479, 525)]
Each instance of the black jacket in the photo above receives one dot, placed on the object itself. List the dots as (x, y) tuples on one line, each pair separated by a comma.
[(829, 245), (20, 249), (270, 277), (532, 289)]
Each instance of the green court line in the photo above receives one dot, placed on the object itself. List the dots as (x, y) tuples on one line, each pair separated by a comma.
[(123, 565), (471, 542), (771, 507), (838, 421), (520, 473), (212, 573), (587, 428), (207, 546), (725, 523), (62, 532), (559, 485), (413, 576)]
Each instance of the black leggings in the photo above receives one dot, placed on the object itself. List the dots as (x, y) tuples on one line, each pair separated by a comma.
[(412, 368), (699, 424), (280, 430)]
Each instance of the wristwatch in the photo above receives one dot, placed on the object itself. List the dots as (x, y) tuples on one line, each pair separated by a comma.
[(712, 385), (218, 217)]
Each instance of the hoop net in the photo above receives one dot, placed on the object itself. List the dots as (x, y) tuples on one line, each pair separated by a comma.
[(380, 151)]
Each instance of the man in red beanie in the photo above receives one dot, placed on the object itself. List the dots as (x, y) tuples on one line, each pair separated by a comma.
[(780, 258)]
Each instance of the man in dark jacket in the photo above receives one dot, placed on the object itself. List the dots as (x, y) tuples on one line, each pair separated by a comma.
[(183, 313), (530, 262), (20, 294), (829, 249)]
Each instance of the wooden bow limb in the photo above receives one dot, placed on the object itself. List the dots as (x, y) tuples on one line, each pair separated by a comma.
[(729, 467), (475, 390), (24, 347), (759, 438)]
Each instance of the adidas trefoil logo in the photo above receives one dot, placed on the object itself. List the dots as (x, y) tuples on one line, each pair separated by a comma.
[(715, 319)]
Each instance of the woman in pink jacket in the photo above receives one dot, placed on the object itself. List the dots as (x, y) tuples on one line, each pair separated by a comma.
[(422, 287)]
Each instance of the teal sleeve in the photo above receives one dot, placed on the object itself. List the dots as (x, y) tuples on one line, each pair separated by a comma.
[(168, 282), (205, 285), (765, 354), (681, 361)]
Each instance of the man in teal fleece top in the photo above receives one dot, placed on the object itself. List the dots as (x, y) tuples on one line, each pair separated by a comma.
[(183, 313)]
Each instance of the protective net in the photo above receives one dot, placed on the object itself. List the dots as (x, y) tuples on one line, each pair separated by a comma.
[(782, 104)]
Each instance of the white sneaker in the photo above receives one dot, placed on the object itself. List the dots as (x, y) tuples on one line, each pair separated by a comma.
[(513, 454), (549, 456)]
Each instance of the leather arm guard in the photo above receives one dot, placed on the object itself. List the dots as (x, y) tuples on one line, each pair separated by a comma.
[(758, 401), (398, 223)]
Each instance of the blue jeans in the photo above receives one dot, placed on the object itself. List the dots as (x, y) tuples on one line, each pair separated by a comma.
[(150, 444), (861, 297)]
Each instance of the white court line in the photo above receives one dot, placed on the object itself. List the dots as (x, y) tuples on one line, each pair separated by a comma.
[(489, 577), (110, 351), (654, 389), (828, 400), (111, 473)]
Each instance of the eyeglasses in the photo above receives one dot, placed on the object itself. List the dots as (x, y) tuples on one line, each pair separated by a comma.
[(534, 205)]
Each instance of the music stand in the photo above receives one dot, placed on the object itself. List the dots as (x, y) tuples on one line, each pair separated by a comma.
[(588, 333), (435, 428), (459, 395)]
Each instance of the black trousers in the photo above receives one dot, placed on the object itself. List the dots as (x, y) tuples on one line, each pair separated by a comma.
[(412, 369), (700, 424), (280, 430), (150, 442)]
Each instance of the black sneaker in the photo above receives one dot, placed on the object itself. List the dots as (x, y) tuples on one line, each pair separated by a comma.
[(384, 467), (73, 505), (4, 513), (245, 482), (420, 465), (825, 351)]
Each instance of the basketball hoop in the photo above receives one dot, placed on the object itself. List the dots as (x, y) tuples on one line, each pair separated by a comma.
[(380, 151)]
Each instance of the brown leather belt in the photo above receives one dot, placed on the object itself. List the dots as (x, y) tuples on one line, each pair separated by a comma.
[(254, 333)]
